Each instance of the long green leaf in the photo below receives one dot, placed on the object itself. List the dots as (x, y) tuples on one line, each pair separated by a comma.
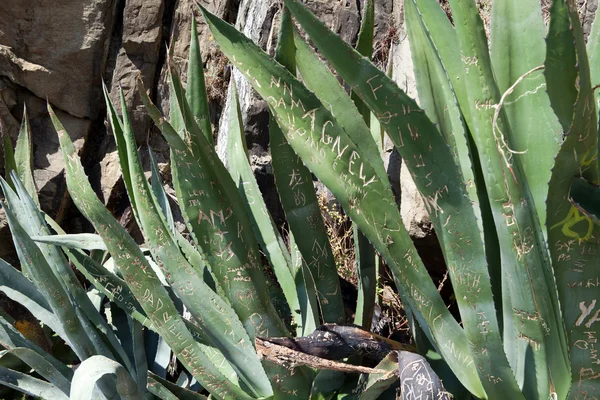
[(299, 201), (139, 353), (158, 386), (33, 355), (367, 269), (235, 262), (443, 188), (138, 274), (572, 236), (20, 289), (159, 192), (48, 369), (213, 314), (438, 99), (119, 293), (195, 92), (24, 158), (37, 269), (366, 259), (30, 385), (561, 64), (217, 219), (108, 283), (535, 309), (328, 151), (35, 224), (437, 93), (266, 232), (376, 384), (443, 38), (83, 241), (9, 158), (317, 77), (593, 51), (93, 369), (517, 47)]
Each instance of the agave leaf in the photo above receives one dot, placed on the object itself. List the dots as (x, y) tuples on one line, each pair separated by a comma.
[(107, 283), (34, 356), (301, 207), (315, 282), (195, 91), (212, 313), (29, 385), (327, 384), (38, 270), (24, 158), (159, 387), (201, 204), (18, 288), (264, 227), (176, 118), (93, 369), (160, 391), (437, 94), (338, 164), (225, 235), (83, 241), (198, 260), (367, 269), (445, 42), (46, 368), (189, 130), (521, 239), (593, 51), (517, 46), (139, 353), (159, 192), (561, 65), (119, 293), (365, 255), (438, 99), (364, 46), (120, 321), (317, 77), (138, 274), (573, 236), (299, 201), (375, 384), (35, 224), (443, 188), (306, 288)]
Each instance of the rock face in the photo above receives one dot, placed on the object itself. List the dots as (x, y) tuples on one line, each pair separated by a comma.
[(57, 52)]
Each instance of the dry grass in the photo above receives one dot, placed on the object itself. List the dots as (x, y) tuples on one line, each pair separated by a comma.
[(339, 230), (216, 80)]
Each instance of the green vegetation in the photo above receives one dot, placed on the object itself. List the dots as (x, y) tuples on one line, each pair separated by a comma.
[(504, 151)]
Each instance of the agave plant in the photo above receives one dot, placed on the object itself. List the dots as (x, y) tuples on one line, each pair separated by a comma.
[(494, 128), (217, 279), (503, 151), (107, 344)]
